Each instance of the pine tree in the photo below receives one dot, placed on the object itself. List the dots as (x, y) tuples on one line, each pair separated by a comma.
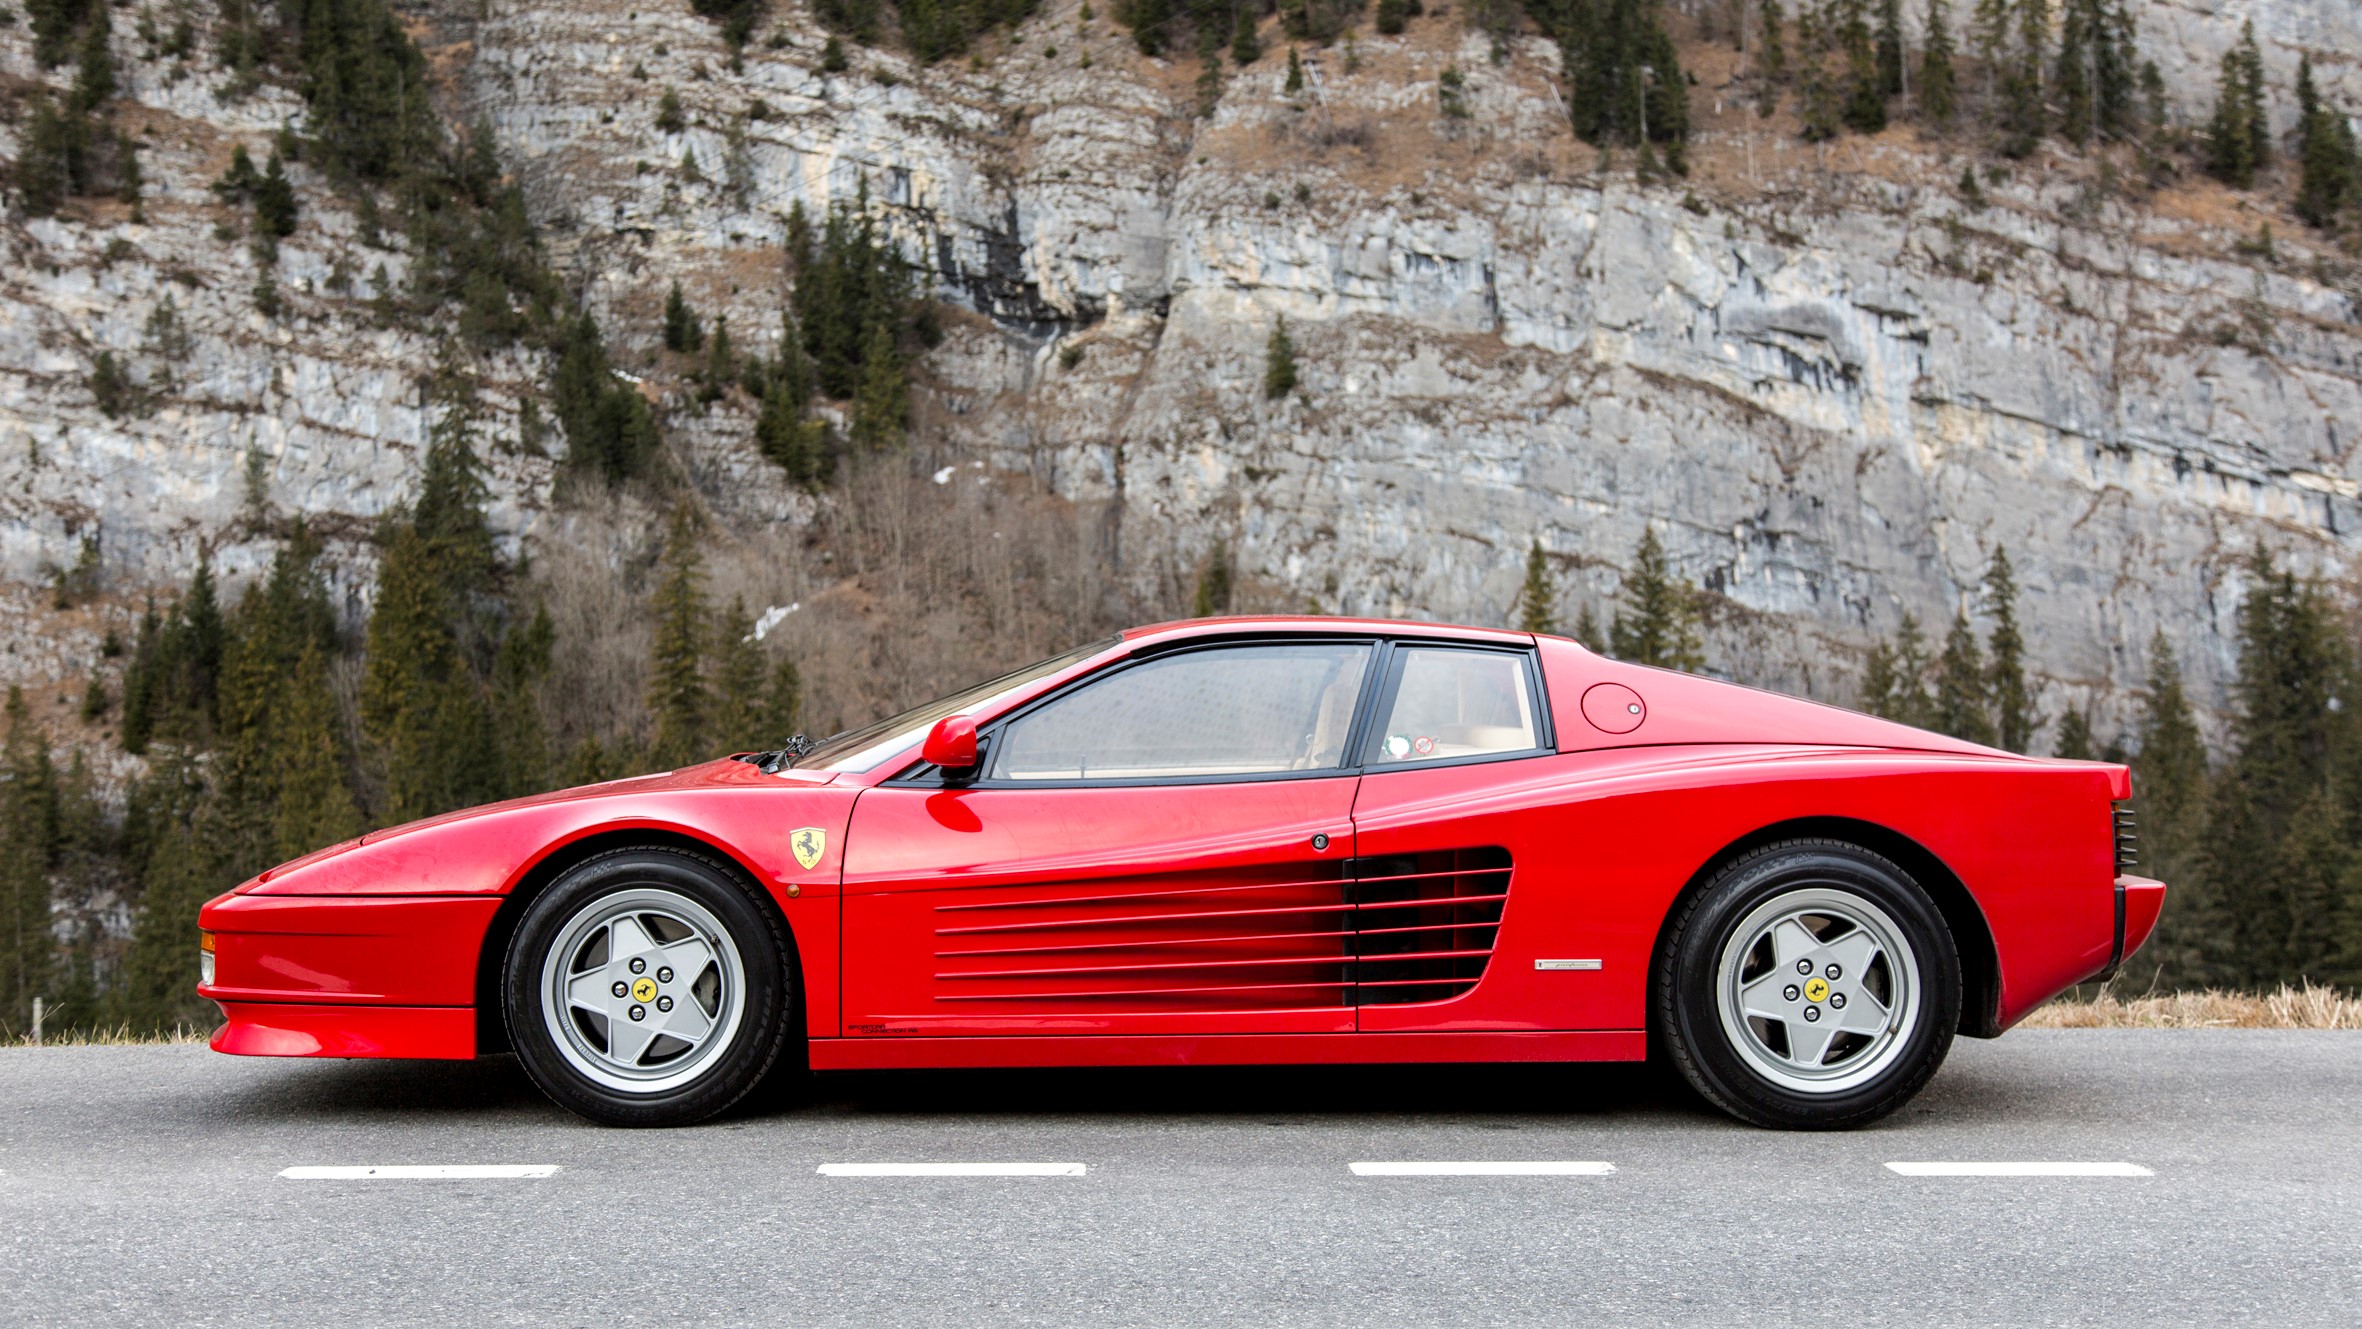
[(881, 409), (1213, 585), (54, 23), (2275, 799), (682, 332), (53, 162), (721, 361), (1963, 700), (1988, 36), (677, 692), (2113, 78), (2071, 76), (1294, 86), (1587, 630), (786, 702), (28, 850), (274, 201), (1393, 16), (2169, 771), (1660, 618), (2014, 720), (2325, 154), (425, 709), (609, 429), (519, 669), (315, 800), (742, 719), (1771, 54), (94, 73), (1537, 608), (1819, 108), (1279, 362), (2074, 737), (1892, 59), (1865, 80), (1624, 75), (1245, 49), (1894, 682), (2237, 138), (2023, 114)]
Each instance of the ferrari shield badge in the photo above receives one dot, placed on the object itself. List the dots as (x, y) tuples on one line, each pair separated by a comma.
[(809, 844)]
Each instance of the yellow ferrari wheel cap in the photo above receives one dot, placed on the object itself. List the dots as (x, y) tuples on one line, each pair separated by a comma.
[(1817, 990), (644, 989), (809, 843)]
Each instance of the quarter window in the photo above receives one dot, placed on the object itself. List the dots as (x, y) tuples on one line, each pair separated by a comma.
[(1455, 703), (1238, 710)]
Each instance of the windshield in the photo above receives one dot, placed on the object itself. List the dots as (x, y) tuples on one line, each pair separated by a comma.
[(862, 749)]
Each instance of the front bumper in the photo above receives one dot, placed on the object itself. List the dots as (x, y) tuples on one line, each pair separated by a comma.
[(282, 1029), (346, 976)]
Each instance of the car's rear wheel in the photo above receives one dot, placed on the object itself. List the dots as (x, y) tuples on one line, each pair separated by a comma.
[(648, 987), (1810, 984)]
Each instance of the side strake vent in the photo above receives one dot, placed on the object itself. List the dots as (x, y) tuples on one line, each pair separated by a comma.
[(1406, 928), (2127, 843), (1426, 923)]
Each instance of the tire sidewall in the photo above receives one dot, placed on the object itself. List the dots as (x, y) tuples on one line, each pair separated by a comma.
[(763, 1025), (1691, 973)]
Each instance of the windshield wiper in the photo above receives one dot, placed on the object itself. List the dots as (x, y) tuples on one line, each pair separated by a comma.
[(773, 762)]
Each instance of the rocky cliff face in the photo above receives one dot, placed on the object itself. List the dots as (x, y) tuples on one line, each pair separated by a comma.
[(1832, 383)]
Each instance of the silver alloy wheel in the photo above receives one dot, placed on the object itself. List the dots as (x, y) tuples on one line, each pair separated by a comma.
[(643, 990), (1818, 990)]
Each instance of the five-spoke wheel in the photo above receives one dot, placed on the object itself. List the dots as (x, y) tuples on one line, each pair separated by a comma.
[(1808, 984), (648, 987)]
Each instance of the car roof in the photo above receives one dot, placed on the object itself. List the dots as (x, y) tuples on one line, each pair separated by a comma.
[(1186, 628)]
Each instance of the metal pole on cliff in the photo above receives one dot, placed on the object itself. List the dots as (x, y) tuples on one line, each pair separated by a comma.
[(36, 1022)]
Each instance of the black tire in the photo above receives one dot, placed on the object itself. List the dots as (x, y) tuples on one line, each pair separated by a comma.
[(1741, 1065), (740, 1054)]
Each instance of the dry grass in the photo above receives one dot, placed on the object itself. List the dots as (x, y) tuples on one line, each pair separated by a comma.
[(2308, 1007), (119, 1036)]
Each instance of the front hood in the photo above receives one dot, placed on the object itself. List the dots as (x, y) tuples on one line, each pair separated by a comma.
[(483, 850)]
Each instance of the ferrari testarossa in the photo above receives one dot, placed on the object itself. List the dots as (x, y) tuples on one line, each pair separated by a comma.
[(1279, 840)]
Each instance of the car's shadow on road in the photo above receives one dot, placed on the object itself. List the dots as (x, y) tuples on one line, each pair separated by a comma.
[(1261, 1091), (495, 1089)]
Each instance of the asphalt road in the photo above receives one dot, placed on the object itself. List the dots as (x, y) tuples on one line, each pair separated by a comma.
[(142, 1186)]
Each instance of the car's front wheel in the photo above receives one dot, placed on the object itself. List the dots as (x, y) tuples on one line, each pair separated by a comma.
[(1810, 984), (648, 987)]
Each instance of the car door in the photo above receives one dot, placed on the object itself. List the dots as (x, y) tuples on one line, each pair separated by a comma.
[(1455, 844), (1159, 848)]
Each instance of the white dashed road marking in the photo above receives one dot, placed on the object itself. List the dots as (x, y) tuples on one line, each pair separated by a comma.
[(422, 1172), (2026, 1169), (1493, 1169), (951, 1169)]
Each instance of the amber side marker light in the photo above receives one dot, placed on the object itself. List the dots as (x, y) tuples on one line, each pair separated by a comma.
[(205, 957)]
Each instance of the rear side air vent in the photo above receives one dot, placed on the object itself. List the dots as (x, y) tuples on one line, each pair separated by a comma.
[(2127, 842), (1426, 923), (1403, 928)]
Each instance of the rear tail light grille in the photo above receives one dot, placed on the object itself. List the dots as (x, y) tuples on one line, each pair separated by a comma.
[(1373, 931), (2127, 841)]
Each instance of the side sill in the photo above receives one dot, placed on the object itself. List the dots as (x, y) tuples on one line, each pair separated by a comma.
[(892, 1053)]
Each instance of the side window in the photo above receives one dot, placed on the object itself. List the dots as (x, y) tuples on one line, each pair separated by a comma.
[(1235, 710), (1455, 703)]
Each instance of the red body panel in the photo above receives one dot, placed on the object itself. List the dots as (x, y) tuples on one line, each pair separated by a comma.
[(1198, 923), (1199, 909)]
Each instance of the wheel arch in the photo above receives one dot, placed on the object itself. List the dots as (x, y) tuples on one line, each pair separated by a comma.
[(491, 1020), (1980, 965)]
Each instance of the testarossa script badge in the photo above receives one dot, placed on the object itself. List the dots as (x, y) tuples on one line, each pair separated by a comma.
[(809, 844)]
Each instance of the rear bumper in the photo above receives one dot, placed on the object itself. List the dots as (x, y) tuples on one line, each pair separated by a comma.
[(285, 1029), (2138, 902)]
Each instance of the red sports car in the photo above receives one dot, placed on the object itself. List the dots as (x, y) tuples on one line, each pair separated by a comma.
[(1279, 840)]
